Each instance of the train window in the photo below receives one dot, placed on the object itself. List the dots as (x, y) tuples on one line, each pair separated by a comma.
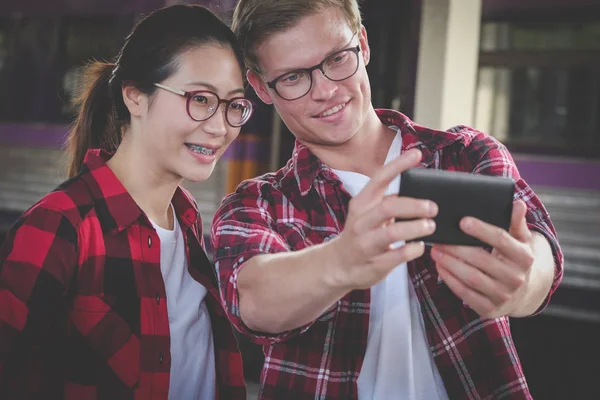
[(3, 45), (4, 75), (539, 87), (44, 58), (84, 40), (540, 36), (31, 63)]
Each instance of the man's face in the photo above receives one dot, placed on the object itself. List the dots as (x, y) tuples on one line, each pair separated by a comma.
[(332, 112)]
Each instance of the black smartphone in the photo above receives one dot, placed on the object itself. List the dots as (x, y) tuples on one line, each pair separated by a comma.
[(460, 194)]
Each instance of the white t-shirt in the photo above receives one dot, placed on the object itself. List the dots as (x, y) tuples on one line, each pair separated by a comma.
[(192, 351), (398, 363)]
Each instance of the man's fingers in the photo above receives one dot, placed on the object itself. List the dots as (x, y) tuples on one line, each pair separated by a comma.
[(392, 258), (374, 191), (499, 239), (502, 271), (477, 301), (379, 240), (518, 222), (393, 207), (471, 276)]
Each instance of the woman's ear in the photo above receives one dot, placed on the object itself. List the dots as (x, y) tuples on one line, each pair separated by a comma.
[(134, 99)]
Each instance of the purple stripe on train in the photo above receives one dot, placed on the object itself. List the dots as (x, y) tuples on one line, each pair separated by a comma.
[(557, 172), (53, 136), (537, 171), (35, 135)]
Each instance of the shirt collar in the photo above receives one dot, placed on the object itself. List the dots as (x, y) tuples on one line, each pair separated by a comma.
[(304, 167), (116, 209)]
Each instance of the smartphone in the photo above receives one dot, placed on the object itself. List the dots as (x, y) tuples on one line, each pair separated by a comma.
[(460, 194)]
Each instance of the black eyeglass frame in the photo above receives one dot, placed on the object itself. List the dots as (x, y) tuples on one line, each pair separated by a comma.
[(273, 83)]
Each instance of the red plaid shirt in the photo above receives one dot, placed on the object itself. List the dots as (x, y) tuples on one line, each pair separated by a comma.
[(83, 311), (304, 204)]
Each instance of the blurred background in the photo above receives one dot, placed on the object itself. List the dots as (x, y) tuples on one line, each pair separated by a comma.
[(524, 71)]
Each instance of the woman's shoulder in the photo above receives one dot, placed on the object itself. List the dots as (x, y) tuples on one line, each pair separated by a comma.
[(71, 199)]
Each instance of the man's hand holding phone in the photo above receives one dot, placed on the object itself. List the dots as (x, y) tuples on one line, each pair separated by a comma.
[(493, 284), (363, 252), (477, 211)]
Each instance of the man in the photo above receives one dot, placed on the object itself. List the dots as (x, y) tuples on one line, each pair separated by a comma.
[(310, 262)]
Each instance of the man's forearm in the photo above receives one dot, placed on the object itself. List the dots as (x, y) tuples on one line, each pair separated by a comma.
[(281, 292)]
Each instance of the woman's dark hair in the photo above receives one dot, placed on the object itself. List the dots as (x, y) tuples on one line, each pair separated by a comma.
[(149, 55)]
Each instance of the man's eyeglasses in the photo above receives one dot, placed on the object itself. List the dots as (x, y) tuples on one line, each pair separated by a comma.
[(337, 67), (203, 104)]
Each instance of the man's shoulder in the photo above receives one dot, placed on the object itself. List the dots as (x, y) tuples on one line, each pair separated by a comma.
[(433, 140), (285, 180), (265, 183), (470, 136), (458, 145), (253, 200), (270, 179), (263, 188), (459, 136)]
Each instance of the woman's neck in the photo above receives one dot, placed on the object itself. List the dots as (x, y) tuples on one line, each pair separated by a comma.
[(151, 187)]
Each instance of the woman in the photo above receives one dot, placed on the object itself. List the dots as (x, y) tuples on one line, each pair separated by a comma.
[(105, 289)]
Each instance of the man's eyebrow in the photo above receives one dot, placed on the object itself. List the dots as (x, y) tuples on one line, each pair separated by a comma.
[(282, 71)]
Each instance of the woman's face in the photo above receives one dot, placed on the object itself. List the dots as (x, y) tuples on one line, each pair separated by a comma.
[(175, 142)]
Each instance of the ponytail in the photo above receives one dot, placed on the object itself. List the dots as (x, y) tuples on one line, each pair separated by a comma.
[(96, 125)]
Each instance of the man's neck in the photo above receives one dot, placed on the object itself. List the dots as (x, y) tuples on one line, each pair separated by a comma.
[(364, 153)]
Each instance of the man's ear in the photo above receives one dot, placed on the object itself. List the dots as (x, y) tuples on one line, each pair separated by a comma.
[(259, 86), (364, 45)]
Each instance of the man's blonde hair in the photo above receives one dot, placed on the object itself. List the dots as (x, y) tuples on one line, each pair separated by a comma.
[(256, 20)]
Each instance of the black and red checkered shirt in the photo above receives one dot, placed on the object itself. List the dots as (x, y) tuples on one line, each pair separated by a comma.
[(305, 204), (83, 311)]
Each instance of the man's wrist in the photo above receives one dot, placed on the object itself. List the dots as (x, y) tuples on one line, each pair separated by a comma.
[(334, 267)]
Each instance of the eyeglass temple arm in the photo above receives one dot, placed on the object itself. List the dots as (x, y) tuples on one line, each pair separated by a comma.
[(179, 92)]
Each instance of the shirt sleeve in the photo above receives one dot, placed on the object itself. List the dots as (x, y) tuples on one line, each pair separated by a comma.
[(243, 227), (493, 158), (37, 263)]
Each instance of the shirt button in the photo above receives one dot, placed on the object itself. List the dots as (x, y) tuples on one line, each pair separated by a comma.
[(149, 241), (157, 298), (160, 357)]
